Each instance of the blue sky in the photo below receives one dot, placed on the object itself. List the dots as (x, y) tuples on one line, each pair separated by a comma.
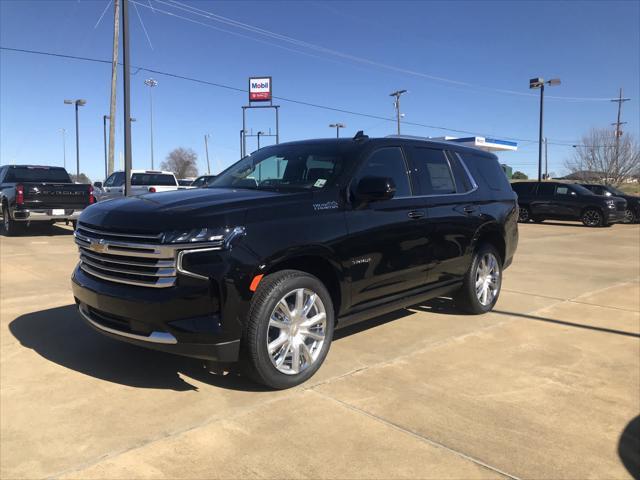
[(354, 55)]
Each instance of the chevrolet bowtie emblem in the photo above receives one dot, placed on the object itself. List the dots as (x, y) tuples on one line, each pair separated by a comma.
[(98, 246)]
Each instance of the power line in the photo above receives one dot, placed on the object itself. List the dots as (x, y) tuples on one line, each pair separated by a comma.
[(300, 43), (284, 99)]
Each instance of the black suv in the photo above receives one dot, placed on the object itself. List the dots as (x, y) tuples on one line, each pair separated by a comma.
[(539, 201), (293, 241), (632, 213)]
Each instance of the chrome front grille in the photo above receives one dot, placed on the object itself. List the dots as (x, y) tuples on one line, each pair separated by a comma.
[(131, 258)]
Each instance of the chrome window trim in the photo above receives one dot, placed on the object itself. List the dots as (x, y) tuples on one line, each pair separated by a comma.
[(155, 337)]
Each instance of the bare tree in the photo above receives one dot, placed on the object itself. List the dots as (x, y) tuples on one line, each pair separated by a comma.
[(182, 162), (602, 156)]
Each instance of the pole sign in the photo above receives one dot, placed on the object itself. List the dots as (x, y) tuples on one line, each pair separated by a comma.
[(260, 89)]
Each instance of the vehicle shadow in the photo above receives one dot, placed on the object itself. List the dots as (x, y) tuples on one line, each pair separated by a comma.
[(629, 447), (44, 230), (60, 335)]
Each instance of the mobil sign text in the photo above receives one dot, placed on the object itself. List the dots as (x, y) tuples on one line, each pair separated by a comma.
[(260, 89)]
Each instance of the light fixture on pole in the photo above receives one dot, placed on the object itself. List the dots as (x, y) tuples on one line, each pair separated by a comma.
[(337, 126), (540, 83), (78, 103), (259, 134), (150, 82), (64, 147), (396, 104)]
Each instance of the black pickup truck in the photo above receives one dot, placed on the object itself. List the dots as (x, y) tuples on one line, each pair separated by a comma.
[(30, 193)]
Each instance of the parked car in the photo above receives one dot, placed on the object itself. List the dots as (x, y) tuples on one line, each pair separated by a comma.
[(203, 181), (540, 201), (142, 181), (293, 241), (632, 213), (34, 193)]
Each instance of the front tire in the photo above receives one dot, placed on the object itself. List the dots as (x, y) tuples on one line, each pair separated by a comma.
[(524, 215), (592, 217), (289, 329), (482, 282)]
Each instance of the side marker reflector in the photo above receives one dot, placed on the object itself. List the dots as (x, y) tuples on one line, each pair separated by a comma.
[(254, 283)]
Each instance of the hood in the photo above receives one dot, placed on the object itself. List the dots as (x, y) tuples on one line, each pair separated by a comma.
[(180, 209)]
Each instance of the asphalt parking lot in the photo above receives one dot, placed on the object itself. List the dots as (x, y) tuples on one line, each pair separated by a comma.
[(546, 386)]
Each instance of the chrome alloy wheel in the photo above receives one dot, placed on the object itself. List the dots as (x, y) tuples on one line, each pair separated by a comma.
[(629, 217), (592, 218), (296, 331), (487, 279)]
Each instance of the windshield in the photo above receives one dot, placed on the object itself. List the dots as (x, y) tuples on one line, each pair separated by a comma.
[(614, 190), (37, 174), (289, 167)]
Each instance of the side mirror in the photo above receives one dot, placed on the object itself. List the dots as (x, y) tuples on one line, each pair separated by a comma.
[(375, 189), (97, 184)]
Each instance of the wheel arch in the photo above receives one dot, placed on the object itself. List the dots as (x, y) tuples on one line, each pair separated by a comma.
[(492, 234), (320, 264)]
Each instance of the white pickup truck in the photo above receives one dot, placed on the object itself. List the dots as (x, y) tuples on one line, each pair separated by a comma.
[(142, 181)]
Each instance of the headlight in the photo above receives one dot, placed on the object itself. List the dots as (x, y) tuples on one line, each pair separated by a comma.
[(611, 204), (203, 235)]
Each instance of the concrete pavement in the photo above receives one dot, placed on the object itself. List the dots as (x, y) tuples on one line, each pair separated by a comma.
[(543, 387)]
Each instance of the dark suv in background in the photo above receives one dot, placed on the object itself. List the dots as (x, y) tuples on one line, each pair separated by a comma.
[(632, 213), (293, 241), (539, 201)]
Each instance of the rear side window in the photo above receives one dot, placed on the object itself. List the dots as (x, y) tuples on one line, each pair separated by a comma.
[(432, 172), (463, 183), (388, 162), (490, 171), (546, 189), (147, 179), (37, 174), (523, 188), (115, 180)]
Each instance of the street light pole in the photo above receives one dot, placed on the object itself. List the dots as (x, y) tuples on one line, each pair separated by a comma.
[(150, 82), (337, 126), (396, 104), (540, 83), (104, 129), (258, 135), (78, 103), (64, 147), (126, 94), (206, 149)]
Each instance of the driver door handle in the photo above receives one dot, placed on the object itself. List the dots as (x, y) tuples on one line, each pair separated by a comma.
[(415, 214)]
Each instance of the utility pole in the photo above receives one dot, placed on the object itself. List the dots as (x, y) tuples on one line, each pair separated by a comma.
[(104, 132), (206, 149), (64, 147), (150, 82), (540, 83), (114, 78), (126, 91), (618, 132), (396, 104), (546, 160), (78, 103)]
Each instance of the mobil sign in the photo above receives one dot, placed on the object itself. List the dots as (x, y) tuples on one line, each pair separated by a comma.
[(260, 89)]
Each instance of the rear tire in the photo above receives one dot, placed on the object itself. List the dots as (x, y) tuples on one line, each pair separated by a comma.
[(630, 216), (592, 217), (482, 282), (9, 226), (289, 329)]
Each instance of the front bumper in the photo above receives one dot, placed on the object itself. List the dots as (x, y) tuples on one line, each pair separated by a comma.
[(37, 215), (184, 320), (614, 216)]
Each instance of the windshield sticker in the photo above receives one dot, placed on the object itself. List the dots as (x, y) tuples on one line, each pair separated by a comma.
[(320, 183)]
